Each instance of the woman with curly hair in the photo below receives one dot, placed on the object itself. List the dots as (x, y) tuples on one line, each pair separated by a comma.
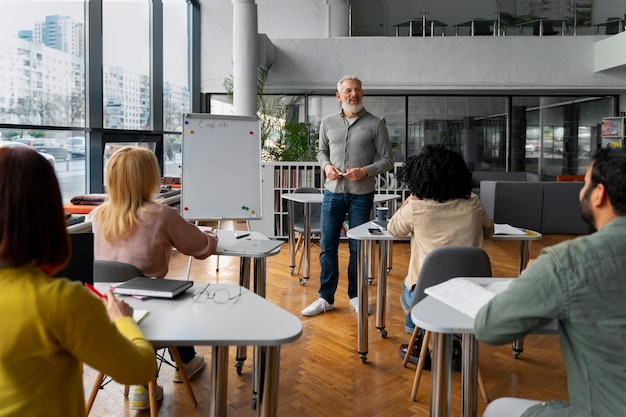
[(440, 211)]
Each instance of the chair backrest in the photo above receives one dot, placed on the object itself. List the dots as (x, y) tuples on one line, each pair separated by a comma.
[(450, 262), (316, 210), (112, 271), (612, 25), (482, 28), (548, 29), (80, 267)]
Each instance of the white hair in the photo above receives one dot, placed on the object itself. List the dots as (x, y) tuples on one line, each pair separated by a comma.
[(348, 77)]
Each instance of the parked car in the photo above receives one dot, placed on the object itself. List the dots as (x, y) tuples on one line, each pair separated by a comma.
[(48, 157), (76, 145), (49, 146)]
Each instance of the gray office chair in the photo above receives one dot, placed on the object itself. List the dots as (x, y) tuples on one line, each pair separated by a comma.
[(439, 266), (112, 271), (298, 223)]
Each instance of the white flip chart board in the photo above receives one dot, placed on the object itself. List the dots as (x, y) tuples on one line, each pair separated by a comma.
[(221, 167)]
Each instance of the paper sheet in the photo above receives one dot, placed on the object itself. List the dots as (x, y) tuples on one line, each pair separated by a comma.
[(464, 295), (507, 229)]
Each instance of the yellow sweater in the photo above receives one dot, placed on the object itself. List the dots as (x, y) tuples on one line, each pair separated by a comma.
[(48, 327)]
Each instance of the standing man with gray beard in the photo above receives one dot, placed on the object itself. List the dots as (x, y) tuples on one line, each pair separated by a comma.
[(354, 147)]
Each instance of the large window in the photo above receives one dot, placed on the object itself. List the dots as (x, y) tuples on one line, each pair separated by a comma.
[(43, 81)]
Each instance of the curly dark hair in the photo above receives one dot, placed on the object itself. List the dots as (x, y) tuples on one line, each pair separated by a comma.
[(437, 173), (609, 168)]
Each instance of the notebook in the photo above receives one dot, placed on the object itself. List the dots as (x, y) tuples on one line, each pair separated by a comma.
[(254, 246), (153, 287)]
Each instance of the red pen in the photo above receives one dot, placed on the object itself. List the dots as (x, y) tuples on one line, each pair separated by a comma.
[(93, 290)]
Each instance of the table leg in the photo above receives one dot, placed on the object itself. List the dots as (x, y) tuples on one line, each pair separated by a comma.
[(244, 281), (307, 244), (440, 376), (362, 298), (469, 375), (370, 261), (524, 256), (219, 382), (381, 297), (292, 251), (268, 381)]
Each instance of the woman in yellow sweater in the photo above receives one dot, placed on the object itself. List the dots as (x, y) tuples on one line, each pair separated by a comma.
[(50, 326)]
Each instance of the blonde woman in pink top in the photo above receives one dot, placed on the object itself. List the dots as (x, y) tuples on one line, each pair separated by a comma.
[(131, 227)]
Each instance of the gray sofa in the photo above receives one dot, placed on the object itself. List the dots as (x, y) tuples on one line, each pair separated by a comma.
[(543, 206), (478, 176)]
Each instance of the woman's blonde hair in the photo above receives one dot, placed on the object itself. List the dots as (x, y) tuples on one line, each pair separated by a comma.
[(132, 178)]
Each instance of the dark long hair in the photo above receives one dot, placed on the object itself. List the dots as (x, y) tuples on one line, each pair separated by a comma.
[(437, 173), (32, 222)]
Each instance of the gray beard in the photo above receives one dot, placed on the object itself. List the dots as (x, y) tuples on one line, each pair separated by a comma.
[(351, 108)]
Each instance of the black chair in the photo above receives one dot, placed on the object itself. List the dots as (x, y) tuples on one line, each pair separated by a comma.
[(482, 28), (548, 28), (298, 217), (439, 266), (112, 271), (613, 25)]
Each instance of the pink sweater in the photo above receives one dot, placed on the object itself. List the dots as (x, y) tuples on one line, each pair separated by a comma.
[(150, 245)]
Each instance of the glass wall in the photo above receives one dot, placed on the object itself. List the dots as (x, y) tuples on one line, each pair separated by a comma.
[(43, 82)]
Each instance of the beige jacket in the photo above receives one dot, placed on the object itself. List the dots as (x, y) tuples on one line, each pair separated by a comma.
[(434, 225)]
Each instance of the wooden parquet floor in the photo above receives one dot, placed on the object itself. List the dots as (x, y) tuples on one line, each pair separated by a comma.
[(321, 373)]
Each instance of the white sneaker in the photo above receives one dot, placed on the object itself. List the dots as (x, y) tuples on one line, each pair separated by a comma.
[(191, 368), (354, 303), (141, 401), (319, 306)]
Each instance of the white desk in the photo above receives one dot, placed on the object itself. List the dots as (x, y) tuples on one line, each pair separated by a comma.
[(363, 236), (443, 320), (250, 320), (226, 238), (525, 241), (307, 199)]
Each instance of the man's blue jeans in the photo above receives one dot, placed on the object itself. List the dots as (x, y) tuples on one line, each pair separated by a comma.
[(334, 209)]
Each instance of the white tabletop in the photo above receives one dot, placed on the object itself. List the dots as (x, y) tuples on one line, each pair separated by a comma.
[(318, 197), (528, 235), (431, 314), (361, 232), (248, 320), (226, 238)]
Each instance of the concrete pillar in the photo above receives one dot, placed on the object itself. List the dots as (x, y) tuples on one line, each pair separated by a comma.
[(245, 61), (338, 19)]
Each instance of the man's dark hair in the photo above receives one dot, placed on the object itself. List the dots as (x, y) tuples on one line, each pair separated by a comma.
[(609, 169), (437, 173)]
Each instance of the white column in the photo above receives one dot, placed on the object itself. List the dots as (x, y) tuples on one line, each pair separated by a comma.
[(245, 62), (338, 20)]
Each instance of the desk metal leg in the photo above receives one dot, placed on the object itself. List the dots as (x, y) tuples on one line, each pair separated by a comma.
[(292, 251), (370, 261), (244, 281), (381, 297), (440, 376), (219, 382), (362, 294), (524, 256), (469, 375), (307, 244), (269, 358)]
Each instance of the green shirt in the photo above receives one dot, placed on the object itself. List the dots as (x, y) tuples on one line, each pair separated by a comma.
[(582, 284)]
